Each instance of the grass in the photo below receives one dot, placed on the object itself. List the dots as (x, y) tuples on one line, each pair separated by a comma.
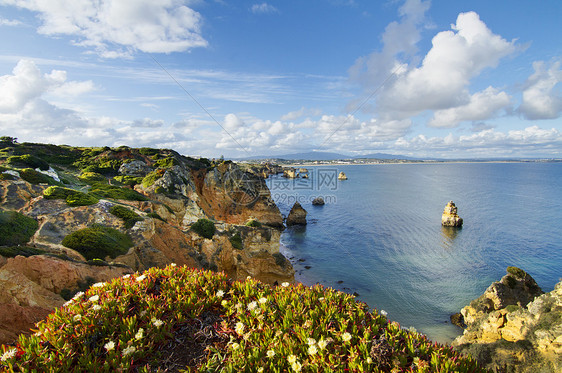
[(98, 242), (35, 177), (151, 178), (253, 223), (116, 192), (204, 228), (16, 228), (128, 216), (27, 161), (81, 199), (57, 192), (176, 319)]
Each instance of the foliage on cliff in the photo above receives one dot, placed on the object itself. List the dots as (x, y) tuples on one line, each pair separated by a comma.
[(98, 242), (212, 324), (16, 228)]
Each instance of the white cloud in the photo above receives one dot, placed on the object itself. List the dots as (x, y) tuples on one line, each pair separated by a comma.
[(482, 105), (292, 115), (263, 8), (9, 22), (542, 97), (115, 28)]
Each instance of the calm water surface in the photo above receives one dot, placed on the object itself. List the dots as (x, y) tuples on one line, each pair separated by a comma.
[(380, 233)]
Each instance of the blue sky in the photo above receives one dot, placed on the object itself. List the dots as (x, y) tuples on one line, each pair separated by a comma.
[(419, 78)]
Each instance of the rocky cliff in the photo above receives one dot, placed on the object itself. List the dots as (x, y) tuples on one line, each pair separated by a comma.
[(514, 326), (450, 218), (99, 213)]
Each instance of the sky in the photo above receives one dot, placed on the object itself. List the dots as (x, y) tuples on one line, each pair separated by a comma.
[(450, 79)]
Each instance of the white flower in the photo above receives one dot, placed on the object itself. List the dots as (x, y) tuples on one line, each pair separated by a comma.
[(260, 370), (321, 299), (239, 328), (296, 366), (157, 322), (126, 276), (369, 360), (263, 300), (98, 284), (77, 317), (248, 277), (172, 264), (346, 337), (139, 334), (285, 284), (68, 303), (270, 353), (143, 313), (140, 278), (235, 346), (310, 341), (109, 346), (38, 334), (383, 313), (312, 350), (129, 350), (291, 359), (224, 303), (78, 295), (9, 354), (94, 298), (322, 344), (220, 293), (252, 305), (96, 307)]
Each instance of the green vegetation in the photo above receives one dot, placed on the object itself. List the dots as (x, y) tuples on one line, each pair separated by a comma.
[(81, 199), (128, 180), (236, 241), (517, 272), (167, 162), (16, 228), (148, 151), (35, 177), (57, 192), (154, 215), (116, 192), (253, 223), (92, 177), (128, 216), (212, 324), (13, 251), (26, 161), (98, 241), (204, 228), (7, 177), (151, 178)]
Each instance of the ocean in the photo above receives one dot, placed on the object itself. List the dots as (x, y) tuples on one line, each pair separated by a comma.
[(379, 234)]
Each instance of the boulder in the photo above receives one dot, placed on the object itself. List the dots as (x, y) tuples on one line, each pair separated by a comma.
[(135, 169), (342, 176), (297, 215), (318, 201), (450, 217)]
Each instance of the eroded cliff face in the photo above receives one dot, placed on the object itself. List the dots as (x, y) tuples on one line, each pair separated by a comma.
[(514, 327), (183, 191)]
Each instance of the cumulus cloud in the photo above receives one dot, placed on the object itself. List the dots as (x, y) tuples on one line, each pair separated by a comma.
[(263, 8), (292, 115), (542, 96), (115, 28)]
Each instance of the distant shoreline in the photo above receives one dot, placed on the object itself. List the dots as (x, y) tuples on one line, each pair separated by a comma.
[(399, 162)]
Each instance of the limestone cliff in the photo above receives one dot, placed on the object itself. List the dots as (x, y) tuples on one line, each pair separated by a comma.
[(514, 327), (150, 197)]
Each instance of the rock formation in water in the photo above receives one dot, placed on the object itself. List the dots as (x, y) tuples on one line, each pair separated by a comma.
[(450, 218), (152, 198), (342, 176), (290, 173), (297, 215), (514, 327), (318, 201)]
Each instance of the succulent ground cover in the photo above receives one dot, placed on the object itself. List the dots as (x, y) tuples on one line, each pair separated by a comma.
[(182, 319)]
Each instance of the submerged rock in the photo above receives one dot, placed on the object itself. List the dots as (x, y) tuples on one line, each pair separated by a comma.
[(297, 215), (450, 217)]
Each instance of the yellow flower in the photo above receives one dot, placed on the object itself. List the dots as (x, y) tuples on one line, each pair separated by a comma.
[(235, 346), (224, 303)]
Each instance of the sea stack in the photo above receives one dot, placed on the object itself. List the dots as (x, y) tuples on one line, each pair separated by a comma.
[(290, 173), (450, 217), (318, 201), (342, 176), (297, 215)]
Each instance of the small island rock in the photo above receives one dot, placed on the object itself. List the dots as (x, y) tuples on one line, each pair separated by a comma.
[(318, 201), (342, 176), (450, 217), (297, 215), (290, 173)]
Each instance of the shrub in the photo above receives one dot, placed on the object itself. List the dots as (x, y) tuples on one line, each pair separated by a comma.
[(56, 192), (35, 177), (81, 199), (517, 272), (167, 162), (13, 251), (128, 180), (128, 216), (16, 228), (236, 241), (7, 177), (131, 323), (253, 223), (151, 178), (98, 242), (92, 177), (155, 216), (116, 192), (148, 151), (27, 160), (204, 228)]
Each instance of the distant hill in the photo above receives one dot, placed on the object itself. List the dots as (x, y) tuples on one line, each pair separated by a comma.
[(385, 156), (326, 156)]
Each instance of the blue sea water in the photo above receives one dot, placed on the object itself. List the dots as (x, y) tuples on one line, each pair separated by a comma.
[(380, 235)]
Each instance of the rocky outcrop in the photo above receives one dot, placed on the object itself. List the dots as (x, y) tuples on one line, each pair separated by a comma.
[(318, 201), (15, 320), (290, 173), (450, 218), (135, 169), (514, 327), (342, 176), (297, 215)]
